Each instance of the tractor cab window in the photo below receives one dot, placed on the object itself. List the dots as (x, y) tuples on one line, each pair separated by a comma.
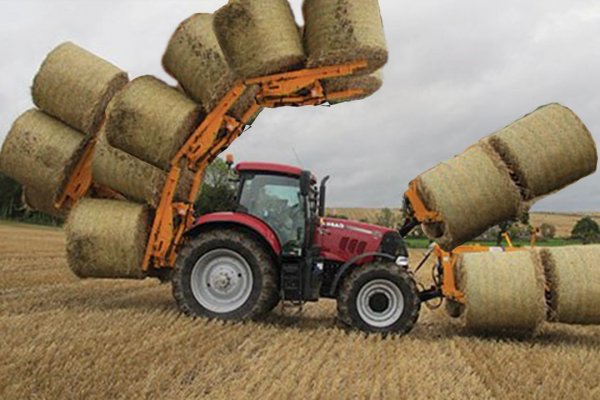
[(277, 201)]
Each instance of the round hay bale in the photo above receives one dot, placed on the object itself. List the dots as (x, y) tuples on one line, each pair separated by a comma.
[(546, 150), (75, 86), (343, 31), (369, 84), (41, 152), (573, 276), (151, 120), (36, 200), (472, 192), (259, 37), (504, 291), (135, 179), (195, 59), (107, 239)]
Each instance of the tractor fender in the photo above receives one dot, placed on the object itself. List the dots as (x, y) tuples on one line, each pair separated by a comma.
[(351, 262), (239, 220)]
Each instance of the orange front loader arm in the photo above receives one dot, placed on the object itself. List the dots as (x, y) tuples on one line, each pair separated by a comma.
[(214, 135)]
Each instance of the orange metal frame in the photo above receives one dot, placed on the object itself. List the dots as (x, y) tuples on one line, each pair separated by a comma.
[(80, 180)]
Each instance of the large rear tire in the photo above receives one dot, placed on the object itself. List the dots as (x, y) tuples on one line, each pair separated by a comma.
[(225, 274), (379, 297)]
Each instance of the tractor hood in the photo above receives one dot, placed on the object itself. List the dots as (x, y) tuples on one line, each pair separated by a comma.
[(356, 227)]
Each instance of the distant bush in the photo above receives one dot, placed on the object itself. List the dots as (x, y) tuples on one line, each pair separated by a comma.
[(586, 230)]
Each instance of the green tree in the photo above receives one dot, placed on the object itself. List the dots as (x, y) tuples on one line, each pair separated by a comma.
[(216, 193), (11, 205), (386, 218), (587, 230), (548, 230)]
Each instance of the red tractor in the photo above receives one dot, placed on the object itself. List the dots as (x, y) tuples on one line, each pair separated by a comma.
[(277, 245)]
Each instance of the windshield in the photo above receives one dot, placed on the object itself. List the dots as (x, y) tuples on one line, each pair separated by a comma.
[(277, 201)]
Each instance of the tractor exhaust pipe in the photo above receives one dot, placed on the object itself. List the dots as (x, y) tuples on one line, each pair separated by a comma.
[(322, 193)]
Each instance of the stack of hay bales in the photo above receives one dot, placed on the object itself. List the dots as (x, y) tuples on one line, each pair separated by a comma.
[(472, 192), (75, 86), (546, 150), (343, 31), (107, 239), (500, 177), (504, 292), (195, 59), (35, 200), (151, 121), (132, 177), (368, 84), (259, 37), (71, 89), (573, 277), (338, 32), (40, 152)]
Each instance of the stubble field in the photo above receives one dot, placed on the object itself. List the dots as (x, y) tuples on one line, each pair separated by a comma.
[(62, 337)]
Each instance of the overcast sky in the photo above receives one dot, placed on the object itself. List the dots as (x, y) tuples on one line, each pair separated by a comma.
[(458, 71)]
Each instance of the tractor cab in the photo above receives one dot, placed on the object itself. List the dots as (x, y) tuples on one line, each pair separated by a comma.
[(284, 197)]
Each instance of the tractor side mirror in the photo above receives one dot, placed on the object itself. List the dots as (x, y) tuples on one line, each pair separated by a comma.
[(305, 179)]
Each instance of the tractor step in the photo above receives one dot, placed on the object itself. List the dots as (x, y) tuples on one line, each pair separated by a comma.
[(291, 282)]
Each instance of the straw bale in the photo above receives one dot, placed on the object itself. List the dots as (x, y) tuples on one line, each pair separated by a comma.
[(573, 275), (194, 57), (546, 150), (342, 31), (135, 179), (151, 120), (75, 86), (259, 37), (36, 200), (504, 291), (41, 152), (107, 239), (472, 192), (369, 84)]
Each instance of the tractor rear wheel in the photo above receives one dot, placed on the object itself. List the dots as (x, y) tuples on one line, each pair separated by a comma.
[(379, 297), (225, 274)]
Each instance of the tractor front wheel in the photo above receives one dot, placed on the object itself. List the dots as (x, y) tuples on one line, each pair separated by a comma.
[(379, 297), (225, 274)]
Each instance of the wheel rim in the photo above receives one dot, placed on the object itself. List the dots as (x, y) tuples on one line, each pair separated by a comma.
[(221, 281), (380, 303)]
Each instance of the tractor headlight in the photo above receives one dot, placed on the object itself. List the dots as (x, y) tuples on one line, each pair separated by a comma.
[(402, 261)]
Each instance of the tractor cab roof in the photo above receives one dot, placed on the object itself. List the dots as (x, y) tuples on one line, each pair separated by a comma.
[(271, 168)]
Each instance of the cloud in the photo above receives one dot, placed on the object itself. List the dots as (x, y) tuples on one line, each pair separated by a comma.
[(457, 71)]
